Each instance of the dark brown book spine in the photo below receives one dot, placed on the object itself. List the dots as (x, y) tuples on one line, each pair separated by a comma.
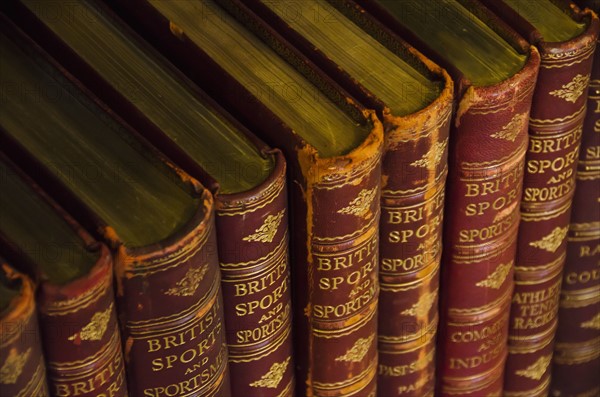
[(252, 236), (576, 361), (555, 129), (22, 368)]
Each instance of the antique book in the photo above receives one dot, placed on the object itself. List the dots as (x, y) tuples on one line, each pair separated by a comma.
[(566, 40), (577, 344), (246, 177), (333, 147), (413, 98), (157, 219), (22, 367), (75, 296), (495, 73)]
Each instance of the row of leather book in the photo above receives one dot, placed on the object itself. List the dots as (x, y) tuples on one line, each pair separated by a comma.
[(311, 198)]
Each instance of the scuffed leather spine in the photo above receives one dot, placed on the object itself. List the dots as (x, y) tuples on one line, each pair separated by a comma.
[(81, 335), (555, 130), (341, 275), (577, 345), (486, 164), (412, 202), (253, 253), (171, 312), (22, 368)]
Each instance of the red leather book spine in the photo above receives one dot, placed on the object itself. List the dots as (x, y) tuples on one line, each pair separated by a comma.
[(412, 206), (577, 345), (171, 312), (334, 213), (486, 165), (414, 172), (555, 129), (339, 279), (81, 335), (22, 367), (252, 235)]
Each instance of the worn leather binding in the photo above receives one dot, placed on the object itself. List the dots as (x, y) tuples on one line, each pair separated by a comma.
[(78, 320), (22, 367), (253, 252), (251, 227), (486, 165), (171, 318), (555, 129), (334, 213), (577, 345), (414, 170)]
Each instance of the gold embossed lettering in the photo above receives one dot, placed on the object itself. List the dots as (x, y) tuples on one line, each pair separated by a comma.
[(555, 164), (593, 153), (348, 260), (583, 278), (345, 309), (208, 372), (403, 236), (265, 330), (186, 336), (537, 308), (352, 278), (499, 203), (255, 286), (548, 193), (555, 144), (586, 251), (478, 360), (195, 353), (265, 302), (486, 233)]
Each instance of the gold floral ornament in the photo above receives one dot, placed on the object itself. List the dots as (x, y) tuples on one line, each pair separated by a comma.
[(433, 156), (358, 351), (96, 328), (189, 283), (594, 323), (571, 91), (13, 366), (552, 241), (267, 231), (272, 378), (536, 370), (497, 278), (423, 305), (361, 204), (511, 130)]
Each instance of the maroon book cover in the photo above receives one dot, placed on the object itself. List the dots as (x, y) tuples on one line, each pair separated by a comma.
[(577, 345), (334, 210), (488, 140), (22, 368), (77, 315), (414, 169), (555, 130)]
